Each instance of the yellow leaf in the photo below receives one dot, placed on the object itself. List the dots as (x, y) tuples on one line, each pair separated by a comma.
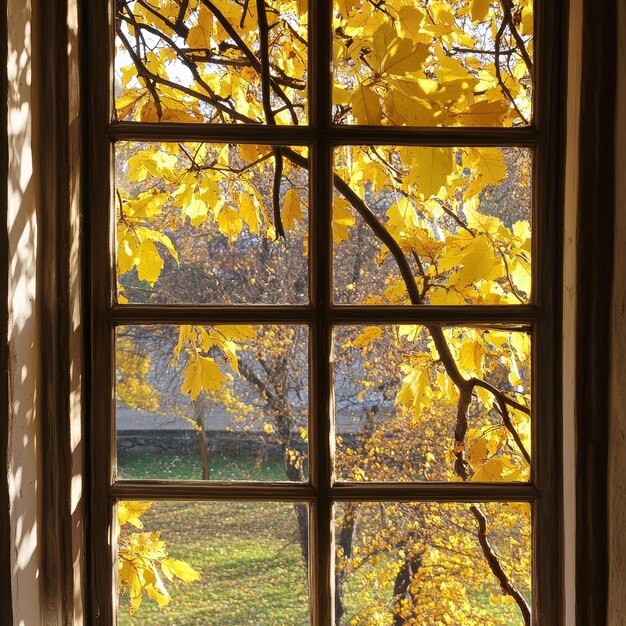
[(411, 331), (129, 512), (201, 374), (403, 56), (430, 168), (241, 332), (415, 391), (404, 109), (149, 112), (292, 210), (230, 222), (249, 213), (479, 9), (347, 6), (479, 261), (402, 217), (343, 220), (369, 334), (177, 115), (487, 167), (147, 234), (491, 471), (126, 103), (149, 262), (180, 569), (248, 152), (366, 106), (521, 275), (478, 451), (471, 357), (198, 38)]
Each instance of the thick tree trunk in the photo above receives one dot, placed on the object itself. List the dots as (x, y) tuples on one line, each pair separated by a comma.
[(345, 541), (302, 512), (402, 588)]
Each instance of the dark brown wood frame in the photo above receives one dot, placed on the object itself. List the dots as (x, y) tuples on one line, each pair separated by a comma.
[(543, 315), (594, 289)]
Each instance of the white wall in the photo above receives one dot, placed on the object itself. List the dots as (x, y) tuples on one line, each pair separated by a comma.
[(23, 317)]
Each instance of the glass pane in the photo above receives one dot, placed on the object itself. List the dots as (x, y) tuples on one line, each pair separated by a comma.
[(426, 563), (203, 61), (196, 223), (213, 563), (224, 402), (460, 216), (424, 63), (397, 407)]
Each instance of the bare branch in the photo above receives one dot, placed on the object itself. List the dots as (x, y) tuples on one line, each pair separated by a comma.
[(494, 565)]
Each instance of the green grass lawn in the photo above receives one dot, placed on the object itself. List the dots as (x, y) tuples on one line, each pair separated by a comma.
[(178, 467), (247, 552), (249, 557)]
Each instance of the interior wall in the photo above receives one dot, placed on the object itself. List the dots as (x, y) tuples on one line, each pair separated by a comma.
[(23, 337), (617, 434)]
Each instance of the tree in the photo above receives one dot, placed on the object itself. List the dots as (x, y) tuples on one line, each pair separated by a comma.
[(411, 225)]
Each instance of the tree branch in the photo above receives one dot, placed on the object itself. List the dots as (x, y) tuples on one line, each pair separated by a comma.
[(495, 567)]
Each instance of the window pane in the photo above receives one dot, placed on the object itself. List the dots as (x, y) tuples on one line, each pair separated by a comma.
[(423, 563), (225, 402), (196, 224), (202, 61), (250, 559), (396, 404), (461, 217), (423, 63)]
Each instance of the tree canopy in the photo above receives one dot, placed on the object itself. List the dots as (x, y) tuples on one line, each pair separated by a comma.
[(228, 223)]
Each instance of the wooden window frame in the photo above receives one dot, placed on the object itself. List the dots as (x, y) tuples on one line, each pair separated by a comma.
[(543, 315)]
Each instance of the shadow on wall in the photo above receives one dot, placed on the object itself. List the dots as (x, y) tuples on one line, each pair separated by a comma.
[(23, 333)]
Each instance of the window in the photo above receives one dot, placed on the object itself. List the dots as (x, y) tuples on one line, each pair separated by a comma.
[(365, 192)]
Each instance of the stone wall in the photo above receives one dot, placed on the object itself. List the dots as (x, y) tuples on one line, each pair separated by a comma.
[(222, 443)]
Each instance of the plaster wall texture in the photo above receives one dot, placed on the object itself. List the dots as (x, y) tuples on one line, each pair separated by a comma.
[(24, 374), (617, 433)]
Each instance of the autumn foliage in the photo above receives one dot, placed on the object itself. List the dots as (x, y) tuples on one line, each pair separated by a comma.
[(228, 223)]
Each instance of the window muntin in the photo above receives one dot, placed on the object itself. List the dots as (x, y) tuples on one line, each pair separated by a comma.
[(321, 490)]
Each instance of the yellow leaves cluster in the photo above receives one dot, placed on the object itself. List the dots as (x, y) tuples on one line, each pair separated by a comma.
[(219, 82), (468, 254), (143, 560), (136, 240), (134, 387), (202, 372), (413, 64)]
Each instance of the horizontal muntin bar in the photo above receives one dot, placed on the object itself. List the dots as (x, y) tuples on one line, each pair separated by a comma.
[(200, 490), (340, 492), (514, 314), (522, 315), (338, 135), (438, 492), (182, 314)]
